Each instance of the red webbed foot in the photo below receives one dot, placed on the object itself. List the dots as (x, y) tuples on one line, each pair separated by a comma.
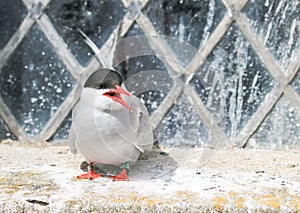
[(120, 177), (91, 175)]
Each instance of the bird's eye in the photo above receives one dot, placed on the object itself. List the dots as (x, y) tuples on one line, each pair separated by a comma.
[(98, 86)]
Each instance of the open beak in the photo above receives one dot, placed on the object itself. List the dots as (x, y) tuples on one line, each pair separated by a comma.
[(115, 95), (122, 91)]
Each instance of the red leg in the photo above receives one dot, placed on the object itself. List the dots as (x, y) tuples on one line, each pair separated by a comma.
[(91, 175), (120, 177)]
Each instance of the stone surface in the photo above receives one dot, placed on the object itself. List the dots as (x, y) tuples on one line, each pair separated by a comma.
[(42, 177)]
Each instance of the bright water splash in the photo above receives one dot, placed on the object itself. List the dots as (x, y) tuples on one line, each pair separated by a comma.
[(38, 82), (280, 128), (182, 126), (233, 82), (278, 25), (189, 21)]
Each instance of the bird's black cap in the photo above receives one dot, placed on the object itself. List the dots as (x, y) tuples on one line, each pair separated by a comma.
[(103, 79)]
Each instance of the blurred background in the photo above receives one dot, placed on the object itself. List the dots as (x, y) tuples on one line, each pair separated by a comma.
[(212, 72)]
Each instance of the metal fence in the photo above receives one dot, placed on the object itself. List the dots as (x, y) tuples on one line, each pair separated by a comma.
[(240, 86)]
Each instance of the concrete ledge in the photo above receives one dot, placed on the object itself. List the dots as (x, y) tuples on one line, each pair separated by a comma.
[(42, 178)]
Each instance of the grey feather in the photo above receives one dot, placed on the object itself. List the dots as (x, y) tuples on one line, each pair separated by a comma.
[(109, 137)]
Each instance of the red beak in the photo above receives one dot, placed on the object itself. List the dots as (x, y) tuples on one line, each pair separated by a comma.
[(115, 95)]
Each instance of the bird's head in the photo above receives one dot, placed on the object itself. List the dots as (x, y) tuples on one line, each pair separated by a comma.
[(109, 91)]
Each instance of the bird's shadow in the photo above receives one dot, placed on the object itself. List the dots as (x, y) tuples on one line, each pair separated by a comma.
[(155, 164)]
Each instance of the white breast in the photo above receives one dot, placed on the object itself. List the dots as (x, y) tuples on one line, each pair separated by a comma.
[(104, 136)]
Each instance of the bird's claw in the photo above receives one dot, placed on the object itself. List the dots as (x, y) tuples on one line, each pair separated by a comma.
[(120, 177), (91, 175)]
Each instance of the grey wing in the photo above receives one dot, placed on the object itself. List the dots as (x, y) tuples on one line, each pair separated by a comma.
[(72, 134), (145, 138), (72, 140)]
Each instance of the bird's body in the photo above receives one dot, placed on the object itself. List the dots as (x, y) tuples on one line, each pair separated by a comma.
[(109, 126)]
